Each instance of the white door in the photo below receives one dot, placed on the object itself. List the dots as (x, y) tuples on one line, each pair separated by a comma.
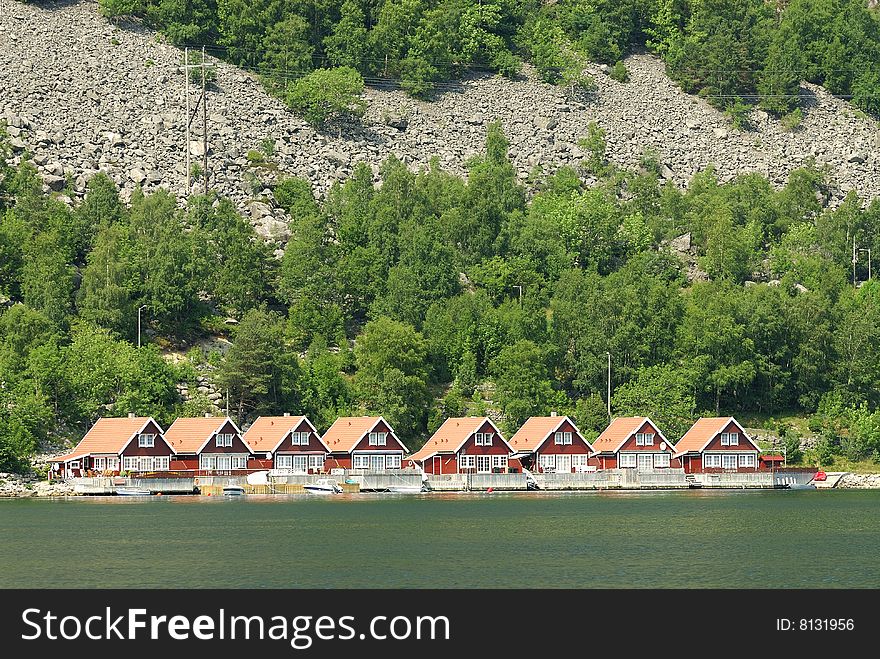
[(300, 464), (563, 464), (646, 461), (377, 462), (484, 464)]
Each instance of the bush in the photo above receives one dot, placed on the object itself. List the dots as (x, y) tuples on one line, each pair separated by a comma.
[(739, 115), (792, 121), (327, 93), (619, 72)]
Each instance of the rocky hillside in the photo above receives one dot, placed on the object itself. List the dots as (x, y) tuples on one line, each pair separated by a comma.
[(83, 95)]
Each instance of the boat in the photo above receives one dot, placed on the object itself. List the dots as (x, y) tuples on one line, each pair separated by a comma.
[(233, 490), (323, 486), (132, 491), (407, 489)]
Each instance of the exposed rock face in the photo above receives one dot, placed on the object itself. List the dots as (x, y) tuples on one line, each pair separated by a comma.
[(88, 96)]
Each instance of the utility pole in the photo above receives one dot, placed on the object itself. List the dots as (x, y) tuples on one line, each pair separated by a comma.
[(186, 95), (609, 385), (191, 115), (868, 251), (204, 124), (140, 308), (520, 293)]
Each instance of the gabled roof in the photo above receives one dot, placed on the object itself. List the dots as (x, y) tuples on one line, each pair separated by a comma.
[(536, 430), (452, 435), (620, 430), (191, 434), (108, 436), (347, 431), (267, 432), (697, 438)]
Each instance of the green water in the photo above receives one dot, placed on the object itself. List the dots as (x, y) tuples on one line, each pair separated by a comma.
[(695, 539)]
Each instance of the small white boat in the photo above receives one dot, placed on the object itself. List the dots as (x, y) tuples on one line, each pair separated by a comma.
[(132, 492), (233, 490), (407, 489), (323, 486)]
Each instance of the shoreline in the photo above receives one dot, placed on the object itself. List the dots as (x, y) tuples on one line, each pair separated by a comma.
[(14, 486)]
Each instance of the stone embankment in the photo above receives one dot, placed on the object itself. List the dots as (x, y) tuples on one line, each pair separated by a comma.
[(83, 95), (13, 485), (859, 482)]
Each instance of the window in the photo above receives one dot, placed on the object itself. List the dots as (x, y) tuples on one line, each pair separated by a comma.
[(100, 464), (730, 439), (644, 439), (361, 461), (728, 461), (161, 463), (711, 460), (146, 440), (239, 462), (484, 464), (224, 439), (283, 461), (580, 460), (483, 439), (113, 463), (547, 462), (145, 463), (378, 438), (316, 462), (300, 439), (566, 438), (661, 460), (627, 460), (466, 461), (747, 460), (499, 462), (300, 464), (392, 461), (557, 438), (207, 462), (129, 463)]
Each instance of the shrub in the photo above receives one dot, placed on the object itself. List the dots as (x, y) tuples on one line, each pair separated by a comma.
[(324, 94), (619, 72), (792, 121)]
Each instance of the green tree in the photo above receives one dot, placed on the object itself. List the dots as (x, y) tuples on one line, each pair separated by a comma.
[(347, 45), (522, 384), (327, 93), (108, 280), (665, 393)]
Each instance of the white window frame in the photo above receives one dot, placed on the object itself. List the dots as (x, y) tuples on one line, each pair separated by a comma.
[(147, 440), (661, 460), (726, 460), (113, 463), (547, 462), (566, 438), (747, 460), (393, 461), (316, 462), (644, 439), (628, 461), (283, 462), (129, 463), (161, 463), (712, 460), (499, 462), (484, 464), (360, 461), (579, 461), (239, 461), (466, 461), (300, 439), (558, 439)]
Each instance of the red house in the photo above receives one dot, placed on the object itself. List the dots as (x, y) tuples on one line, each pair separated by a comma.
[(633, 442), (207, 444), (717, 444), (464, 445), (363, 442), (290, 444), (551, 444), (132, 443)]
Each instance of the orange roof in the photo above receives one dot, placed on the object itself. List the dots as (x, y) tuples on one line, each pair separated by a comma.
[(267, 432), (451, 435), (535, 432), (190, 434), (618, 431), (704, 430), (347, 431), (108, 436)]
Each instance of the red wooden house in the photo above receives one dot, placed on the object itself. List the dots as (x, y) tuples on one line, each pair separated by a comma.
[(551, 444), (717, 444), (633, 442), (464, 445), (132, 443), (288, 443), (363, 442), (207, 444)]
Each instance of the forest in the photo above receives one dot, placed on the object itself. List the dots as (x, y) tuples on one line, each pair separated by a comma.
[(430, 295), (735, 53)]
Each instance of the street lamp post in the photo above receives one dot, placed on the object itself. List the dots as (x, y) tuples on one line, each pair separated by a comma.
[(140, 308), (609, 384)]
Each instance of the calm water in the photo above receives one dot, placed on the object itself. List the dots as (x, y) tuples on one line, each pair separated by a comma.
[(692, 539)]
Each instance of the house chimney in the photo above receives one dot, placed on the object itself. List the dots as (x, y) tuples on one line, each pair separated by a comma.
[(287, 414), (131, 415), (208, 415), (553, 413)]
